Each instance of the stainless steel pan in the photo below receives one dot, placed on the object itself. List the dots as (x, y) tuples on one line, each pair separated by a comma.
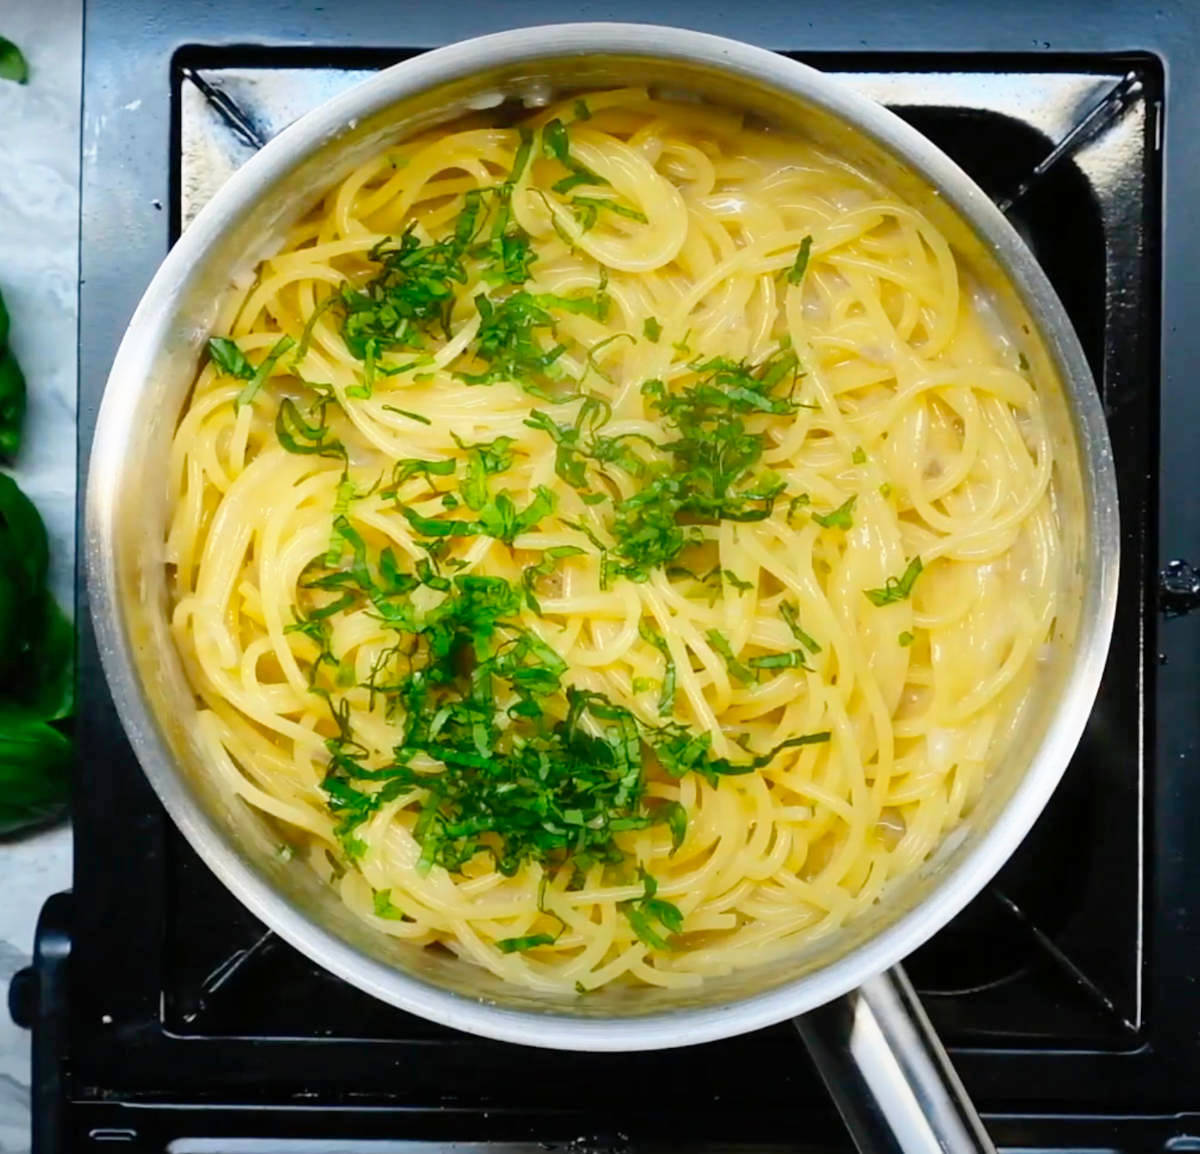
[(884, 1066)]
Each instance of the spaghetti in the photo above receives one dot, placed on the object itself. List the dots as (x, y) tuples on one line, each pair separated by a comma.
[(611, 547)]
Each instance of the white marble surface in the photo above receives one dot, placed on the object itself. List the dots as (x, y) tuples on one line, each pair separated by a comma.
[(39, 261)]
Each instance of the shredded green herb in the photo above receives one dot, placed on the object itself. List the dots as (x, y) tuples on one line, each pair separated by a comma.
[(721, 644), (839, 518), (651, 329), (529, 942), (906, 639), (297, 435), (666, 701), (309, 325), (734, 580), (484, 460), (384, 908), (556, 145), (794, 659), (897, 588), (677, 822), (468, 687), (587, 210), (507, 336), (264, 370), (680, 751), (648, 915), (796, 504), (790, 614), (710, 472), (798, 269), (546, 566), (582, 443), (414, 290), (227, 355)]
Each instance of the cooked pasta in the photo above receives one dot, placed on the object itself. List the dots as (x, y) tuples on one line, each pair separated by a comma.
[(611, 546)]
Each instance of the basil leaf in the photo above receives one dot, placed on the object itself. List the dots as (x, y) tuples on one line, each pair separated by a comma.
[(12, 404), (12, 64), (23, 543), (50, 690), (35, 768)]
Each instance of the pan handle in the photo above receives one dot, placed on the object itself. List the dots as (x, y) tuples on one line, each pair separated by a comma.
[(888, 1073)]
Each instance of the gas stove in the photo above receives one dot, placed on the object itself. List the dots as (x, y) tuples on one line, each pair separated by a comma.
[(165, 1017)]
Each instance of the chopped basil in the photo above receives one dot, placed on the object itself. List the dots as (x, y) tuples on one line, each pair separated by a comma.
[(794, 659), (734, 580), (721, 644), (648, 913), (384, 908), (796, 272), (310, 324), (711, 473), (587, 210), (544, 568), (259, 375), (556, 145), (897, 588), (839, 518), (229, 358), (529, 942), (796, 504), (677, 823), (507, 336), (666, 701), (297, 435), (405, 413), (789, 613)]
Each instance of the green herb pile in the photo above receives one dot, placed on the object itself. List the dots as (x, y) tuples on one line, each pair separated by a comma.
[(501, 756), (506, 758), (37, 658)]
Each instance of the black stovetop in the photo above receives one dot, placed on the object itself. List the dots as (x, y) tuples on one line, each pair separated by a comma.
[(1069, 992)]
